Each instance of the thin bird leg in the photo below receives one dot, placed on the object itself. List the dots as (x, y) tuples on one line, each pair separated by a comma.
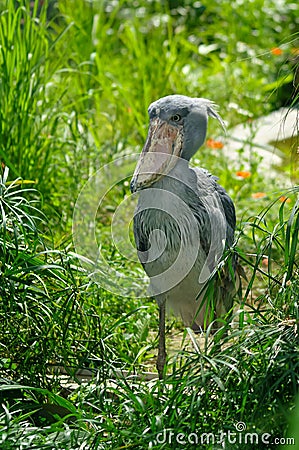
[(162, 348)]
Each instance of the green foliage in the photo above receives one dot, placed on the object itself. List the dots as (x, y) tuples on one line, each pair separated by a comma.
[(27, 116), (75, 83)]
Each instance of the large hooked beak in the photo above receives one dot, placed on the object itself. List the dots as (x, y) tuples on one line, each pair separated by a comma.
[(159, 155)]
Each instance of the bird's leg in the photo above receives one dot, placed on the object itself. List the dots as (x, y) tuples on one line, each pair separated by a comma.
[(162, 348)]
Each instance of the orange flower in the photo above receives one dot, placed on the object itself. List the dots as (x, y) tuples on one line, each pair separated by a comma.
[(243, 174), (214, 144), (285, 199), (258, 195), (276, 51), (265, 261)]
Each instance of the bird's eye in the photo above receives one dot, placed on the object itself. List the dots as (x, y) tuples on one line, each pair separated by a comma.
[(176, 118)]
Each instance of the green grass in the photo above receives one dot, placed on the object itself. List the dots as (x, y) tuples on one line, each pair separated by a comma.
[(75, 83)]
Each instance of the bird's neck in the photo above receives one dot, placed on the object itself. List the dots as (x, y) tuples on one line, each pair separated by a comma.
[(180, 177)]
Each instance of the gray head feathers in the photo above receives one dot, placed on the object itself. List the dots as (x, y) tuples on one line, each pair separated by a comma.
[(171, 104)]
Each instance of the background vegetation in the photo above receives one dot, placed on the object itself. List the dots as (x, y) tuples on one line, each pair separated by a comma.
[(76, 78)]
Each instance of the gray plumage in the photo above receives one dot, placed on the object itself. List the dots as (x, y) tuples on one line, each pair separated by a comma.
[(184, 218)]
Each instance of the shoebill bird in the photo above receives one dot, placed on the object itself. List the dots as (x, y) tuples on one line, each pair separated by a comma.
[(184, 219)]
